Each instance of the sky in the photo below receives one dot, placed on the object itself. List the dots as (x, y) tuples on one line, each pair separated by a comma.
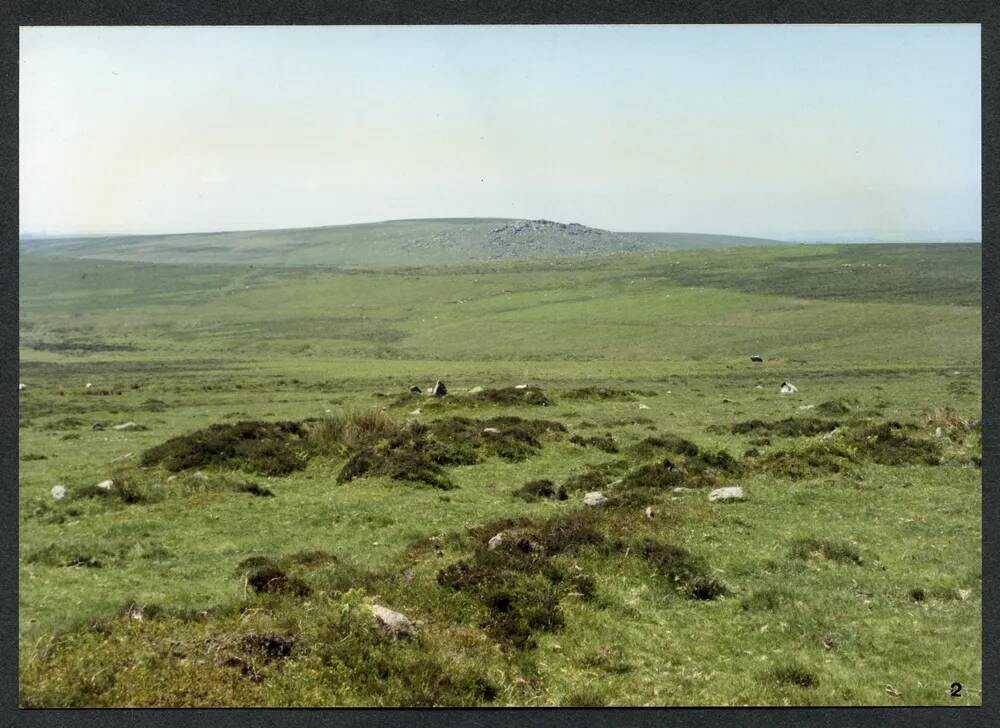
[(792, 132)]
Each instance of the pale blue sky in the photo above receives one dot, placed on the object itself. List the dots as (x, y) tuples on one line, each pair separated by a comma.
[(797, 132)]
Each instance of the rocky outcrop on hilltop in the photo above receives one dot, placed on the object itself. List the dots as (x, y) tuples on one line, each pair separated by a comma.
[(519, 238)]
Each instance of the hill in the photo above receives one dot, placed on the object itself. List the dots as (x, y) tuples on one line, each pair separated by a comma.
[(381, 244)]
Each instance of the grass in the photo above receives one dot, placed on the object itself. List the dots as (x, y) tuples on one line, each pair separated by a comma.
[(250, 600)]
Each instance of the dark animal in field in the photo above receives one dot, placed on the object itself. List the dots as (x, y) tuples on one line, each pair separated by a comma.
[(757, 358), (439, 390)]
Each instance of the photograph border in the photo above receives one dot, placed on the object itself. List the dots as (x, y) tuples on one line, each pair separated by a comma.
[(377, 12)]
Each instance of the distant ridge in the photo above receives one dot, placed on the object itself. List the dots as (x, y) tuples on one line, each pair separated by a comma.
[(431, 241)]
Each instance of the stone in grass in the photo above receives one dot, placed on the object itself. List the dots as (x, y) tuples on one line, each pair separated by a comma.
[(595, 498), (680, 489), (395, 623), (734, 492), (127, 426), (105, 484), (495, 541)]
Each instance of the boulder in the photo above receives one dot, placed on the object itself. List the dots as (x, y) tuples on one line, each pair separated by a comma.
[(439, 390), (733, 492), (649, 512), (495, 541), (475, 390), (58, 492), (594, 498), (788, 388), (395, 623), (105, 484)]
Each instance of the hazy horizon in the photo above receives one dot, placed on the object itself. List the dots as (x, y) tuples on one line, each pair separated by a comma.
[(789, 132)]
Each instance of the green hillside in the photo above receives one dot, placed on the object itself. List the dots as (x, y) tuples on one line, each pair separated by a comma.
[(278, 479), (380, 244)]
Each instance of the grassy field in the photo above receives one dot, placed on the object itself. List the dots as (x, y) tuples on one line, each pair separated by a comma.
[(850, 574)]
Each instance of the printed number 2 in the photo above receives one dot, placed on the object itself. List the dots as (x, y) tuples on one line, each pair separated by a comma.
[(956, 690)]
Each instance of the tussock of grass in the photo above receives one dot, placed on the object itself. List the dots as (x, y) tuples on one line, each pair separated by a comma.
[(832, 408), (840, 551), (664, 444), (601, 394), (419, 451), (685, 572), (605, 442), (341, 434), (267, 448), (535, 490), (795, 675), (805, 463), (887, 444), (788, 427)]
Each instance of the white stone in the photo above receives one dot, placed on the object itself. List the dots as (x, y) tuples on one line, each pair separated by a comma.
[(683, 490), (643, 406), (58, 492), (807, 406), (125, 426), (788, 388), (495, 541), (396, 623), (105, 484), (649, 512), (89, 385), (475, 390), (595, 498), (416, 411), (938, 433), (491, 430), (734, 492), (520, 386), (21, 387)]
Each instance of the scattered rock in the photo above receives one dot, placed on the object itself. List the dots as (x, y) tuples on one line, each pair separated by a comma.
[(89, 385), (731, 493), (105, 484), (643, 406), (416, 390), (520, 386), (788, 388), (395, 623), (475, 390), (939, 433), (126, 426), (683, 490), (21, 387), (58, 492), (649, 512), (439, 390), (490, 430), (495, 541), (99, 425), (807, 407), (416, 411), (595, 498)]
